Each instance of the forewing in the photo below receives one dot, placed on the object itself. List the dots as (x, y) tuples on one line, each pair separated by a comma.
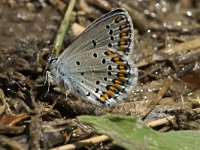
[(113, 30)]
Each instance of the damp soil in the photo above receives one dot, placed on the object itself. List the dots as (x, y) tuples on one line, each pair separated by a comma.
[(166, 52)]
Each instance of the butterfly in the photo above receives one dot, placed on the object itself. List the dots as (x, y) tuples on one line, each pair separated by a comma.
[(97, 66)]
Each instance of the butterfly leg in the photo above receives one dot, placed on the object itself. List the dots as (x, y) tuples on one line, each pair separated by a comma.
[(49, 80), (67, 93)]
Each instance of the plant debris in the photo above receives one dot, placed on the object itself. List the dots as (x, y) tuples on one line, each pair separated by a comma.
[(166, 52)]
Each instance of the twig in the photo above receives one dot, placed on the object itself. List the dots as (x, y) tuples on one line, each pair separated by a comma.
[(63, 28), (101, 4), (35, 133), (160, 121), (3, 100), (79, 144), (158, 97), (182, 47), (11, 143), (195, 101), (11, 120)]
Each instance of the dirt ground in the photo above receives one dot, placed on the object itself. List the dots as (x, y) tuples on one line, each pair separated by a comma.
[(166, 52)]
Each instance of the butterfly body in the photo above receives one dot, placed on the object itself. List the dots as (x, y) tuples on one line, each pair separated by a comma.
[(97, 65)]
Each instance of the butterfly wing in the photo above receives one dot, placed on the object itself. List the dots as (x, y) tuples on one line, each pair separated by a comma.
[(100, 76), (114, 30), (97, 66)]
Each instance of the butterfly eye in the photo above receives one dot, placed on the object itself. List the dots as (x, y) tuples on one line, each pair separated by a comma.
[(51, 60)]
